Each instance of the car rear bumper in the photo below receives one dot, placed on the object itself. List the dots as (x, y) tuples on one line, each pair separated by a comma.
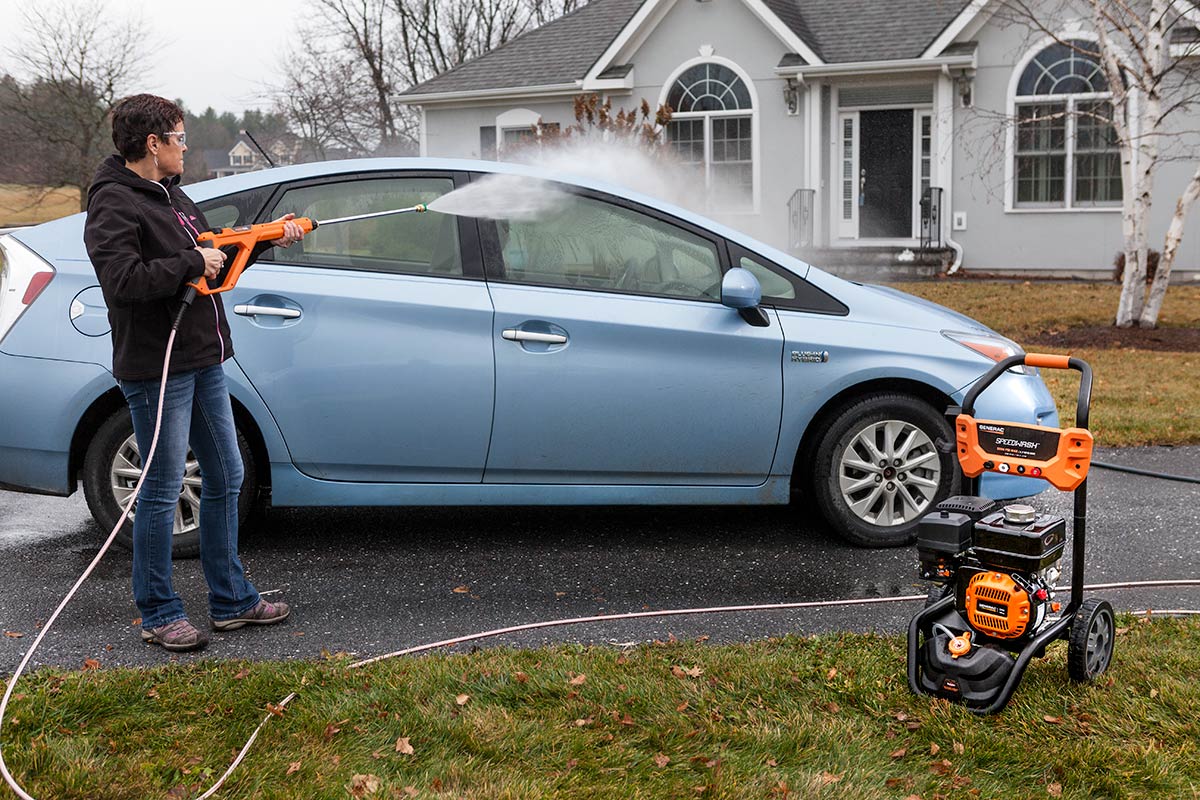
[(44, 400)]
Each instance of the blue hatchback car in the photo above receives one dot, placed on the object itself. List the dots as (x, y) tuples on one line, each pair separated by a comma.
[(616, 351)]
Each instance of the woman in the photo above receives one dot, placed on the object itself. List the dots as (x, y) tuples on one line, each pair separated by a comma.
[(141, 236)]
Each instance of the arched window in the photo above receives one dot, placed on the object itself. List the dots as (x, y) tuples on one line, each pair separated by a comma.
[(1067, 154), (712, 127)]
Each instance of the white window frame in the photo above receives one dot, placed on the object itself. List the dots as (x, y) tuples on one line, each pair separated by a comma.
[(920, 115), (848, 228), (1068, 205), (517, 119), (708, 116)]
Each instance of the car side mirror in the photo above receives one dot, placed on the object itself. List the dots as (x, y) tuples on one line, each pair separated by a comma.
[(741, 290)]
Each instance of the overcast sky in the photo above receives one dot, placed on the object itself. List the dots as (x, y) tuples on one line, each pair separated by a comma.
[(219, 53)]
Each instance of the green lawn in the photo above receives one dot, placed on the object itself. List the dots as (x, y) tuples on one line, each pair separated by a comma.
[(1139, 397), (828, 716)]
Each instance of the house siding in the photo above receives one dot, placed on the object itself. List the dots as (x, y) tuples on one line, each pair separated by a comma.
[(735, 34), (1068, 241)]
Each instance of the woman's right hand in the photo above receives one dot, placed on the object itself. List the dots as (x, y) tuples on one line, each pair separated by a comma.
[(214, 261)]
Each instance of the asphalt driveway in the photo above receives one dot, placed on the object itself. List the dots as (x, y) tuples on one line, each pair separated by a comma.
[(368, 581)]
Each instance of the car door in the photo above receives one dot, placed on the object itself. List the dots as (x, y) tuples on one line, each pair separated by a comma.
[(370, 341), (616, 362)]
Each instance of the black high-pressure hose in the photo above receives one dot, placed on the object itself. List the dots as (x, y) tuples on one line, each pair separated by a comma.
[(1166, 476)]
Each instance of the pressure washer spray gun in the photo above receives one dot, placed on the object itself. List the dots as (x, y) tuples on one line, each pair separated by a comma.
[(245, 237)]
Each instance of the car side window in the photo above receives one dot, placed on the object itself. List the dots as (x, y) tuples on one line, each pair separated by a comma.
[(591, 244), (234, 209), (783, 288), (422, 244)]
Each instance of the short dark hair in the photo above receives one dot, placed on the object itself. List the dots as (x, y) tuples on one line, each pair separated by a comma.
[(138, 116)]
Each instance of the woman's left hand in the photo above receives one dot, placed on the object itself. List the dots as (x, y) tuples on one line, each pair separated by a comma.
[(292, 232)]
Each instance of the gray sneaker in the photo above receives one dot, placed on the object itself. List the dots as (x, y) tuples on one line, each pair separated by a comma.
[(265, 613), (179, 635)]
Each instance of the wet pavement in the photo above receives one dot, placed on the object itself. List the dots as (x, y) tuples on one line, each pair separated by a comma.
[(369, 581)]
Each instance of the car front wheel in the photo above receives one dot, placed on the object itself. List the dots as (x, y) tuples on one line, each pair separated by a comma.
[(112, 468), (878, 468)]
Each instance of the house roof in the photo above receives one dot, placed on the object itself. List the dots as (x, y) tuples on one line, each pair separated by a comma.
[(564, 50), (841, 31), (559, 52)]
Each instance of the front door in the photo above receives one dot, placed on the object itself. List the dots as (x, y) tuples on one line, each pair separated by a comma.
[(885, 166)]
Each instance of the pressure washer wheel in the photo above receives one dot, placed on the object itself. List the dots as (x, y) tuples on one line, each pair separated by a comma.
[(1090, 646)]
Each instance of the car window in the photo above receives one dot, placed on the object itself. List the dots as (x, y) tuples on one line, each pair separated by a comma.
[(785, 289), (590, 244), (410, 243), (774, 285), (235, 209)]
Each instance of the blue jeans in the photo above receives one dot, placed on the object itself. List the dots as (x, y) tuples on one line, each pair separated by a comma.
[(196, 411)]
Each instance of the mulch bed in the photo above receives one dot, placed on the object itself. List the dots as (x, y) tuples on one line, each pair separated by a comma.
[(1177, 340)]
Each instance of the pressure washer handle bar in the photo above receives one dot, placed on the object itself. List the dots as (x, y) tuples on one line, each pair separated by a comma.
[(1045, 361), (243, 238)]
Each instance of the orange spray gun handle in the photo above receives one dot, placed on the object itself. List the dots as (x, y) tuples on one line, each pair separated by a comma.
[(244, 238)]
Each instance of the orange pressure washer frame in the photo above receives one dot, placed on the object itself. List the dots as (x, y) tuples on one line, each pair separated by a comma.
[(994, 446)]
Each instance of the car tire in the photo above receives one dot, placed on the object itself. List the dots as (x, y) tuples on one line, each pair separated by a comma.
[(878, 505), (113, 445)]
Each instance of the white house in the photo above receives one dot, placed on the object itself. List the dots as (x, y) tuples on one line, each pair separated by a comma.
[(870, 134)]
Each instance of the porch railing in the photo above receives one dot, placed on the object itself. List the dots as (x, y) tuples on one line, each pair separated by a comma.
[(931, 218), (800, 218)]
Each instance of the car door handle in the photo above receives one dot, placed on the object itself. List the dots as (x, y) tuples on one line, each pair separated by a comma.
[(266, 311), (514, 335)]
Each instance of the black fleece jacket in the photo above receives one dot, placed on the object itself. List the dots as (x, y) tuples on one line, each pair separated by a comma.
[(140, 236)]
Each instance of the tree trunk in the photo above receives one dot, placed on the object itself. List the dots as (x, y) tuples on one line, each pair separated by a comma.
[(1158, 289)]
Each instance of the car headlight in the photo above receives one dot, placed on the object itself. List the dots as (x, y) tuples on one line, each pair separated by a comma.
[(993, 348)]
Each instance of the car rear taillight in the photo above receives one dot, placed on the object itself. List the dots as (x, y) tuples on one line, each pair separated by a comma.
[(23, 276), (35, 287)]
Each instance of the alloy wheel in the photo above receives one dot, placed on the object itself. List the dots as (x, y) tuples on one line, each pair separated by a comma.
[(889, 473), (126, 471)]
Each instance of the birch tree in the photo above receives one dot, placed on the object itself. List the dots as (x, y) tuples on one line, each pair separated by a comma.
[(1154, 87)]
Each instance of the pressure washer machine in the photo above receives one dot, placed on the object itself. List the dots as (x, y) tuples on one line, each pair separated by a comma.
[(996, 569)]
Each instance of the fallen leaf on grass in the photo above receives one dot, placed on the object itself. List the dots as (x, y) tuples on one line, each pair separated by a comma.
[(898, 754), (942, 767), (899, 783), (13, 634), (363, 785), (772, 762), (90, 664), (462, 699), (241, 674), (293, 767), (661, 760), (682, 706), (832, 708), (1052, 720), (578, 680), (332, 728), (277, 711), (520, 677), (402, 746), (1054, 789), (958, 748), (934, 749), (579, 723), (828, 778), (680, 672), (411, 791)]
